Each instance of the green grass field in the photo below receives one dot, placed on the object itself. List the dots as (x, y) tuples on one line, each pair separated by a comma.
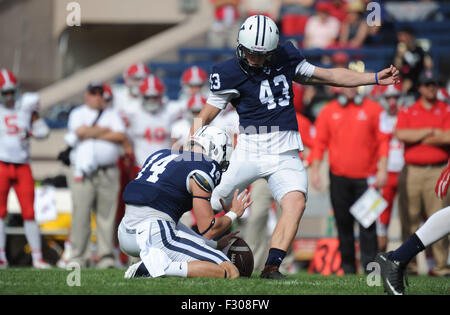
[(105, 282)]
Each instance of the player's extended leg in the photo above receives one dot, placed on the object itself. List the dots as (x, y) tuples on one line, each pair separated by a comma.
[(293, 206), (393, 264), (287, 266), (289, 186), (5, 185), (436, 227), (24, 187)]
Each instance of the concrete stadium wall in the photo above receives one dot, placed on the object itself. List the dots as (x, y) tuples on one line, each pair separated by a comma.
[(118, 12), (108, 68), (28, 45), (41, 48)]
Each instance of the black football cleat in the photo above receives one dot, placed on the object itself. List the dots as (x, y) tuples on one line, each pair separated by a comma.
[(271, 272), (392, 273), (137, 270)]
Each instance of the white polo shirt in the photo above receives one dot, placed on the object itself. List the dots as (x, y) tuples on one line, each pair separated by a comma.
[(105, 153)]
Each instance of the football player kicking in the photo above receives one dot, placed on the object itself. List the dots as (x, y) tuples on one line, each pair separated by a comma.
[(169, 184), (393, 264), (259, 84)]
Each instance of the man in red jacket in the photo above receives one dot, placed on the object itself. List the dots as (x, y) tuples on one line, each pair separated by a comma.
[(425, 129), (348, 128)]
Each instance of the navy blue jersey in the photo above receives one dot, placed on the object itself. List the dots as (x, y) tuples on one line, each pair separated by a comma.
[(265, 96), (163, 181)]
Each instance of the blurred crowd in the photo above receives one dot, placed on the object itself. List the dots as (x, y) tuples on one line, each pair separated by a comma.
[(322, 23), (119, 125)]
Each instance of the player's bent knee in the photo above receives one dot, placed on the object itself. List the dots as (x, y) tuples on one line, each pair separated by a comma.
[(293, 201), (232, 271)]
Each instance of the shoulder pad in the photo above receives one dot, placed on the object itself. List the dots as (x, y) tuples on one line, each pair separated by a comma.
[(29, 102), (203, 181), (226, 76), (288, 55)]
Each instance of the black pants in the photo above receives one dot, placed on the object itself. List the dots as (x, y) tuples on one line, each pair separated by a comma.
[(344, 192)]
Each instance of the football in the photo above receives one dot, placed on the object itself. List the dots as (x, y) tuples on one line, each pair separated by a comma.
[(241, 256)]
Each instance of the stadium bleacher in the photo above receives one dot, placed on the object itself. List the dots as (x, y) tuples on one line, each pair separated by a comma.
[(433, 34), (375, 57)]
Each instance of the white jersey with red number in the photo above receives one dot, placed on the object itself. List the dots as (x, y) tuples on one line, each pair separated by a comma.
[(124, 103), (177, 108), (15, 124), (149, 132), (396, 160), (180, 132)]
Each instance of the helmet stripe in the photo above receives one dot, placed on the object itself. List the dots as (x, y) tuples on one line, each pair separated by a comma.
[(6, 77), (7, 80), (3, 78), (257, 30), (264, 31), (195, 74)]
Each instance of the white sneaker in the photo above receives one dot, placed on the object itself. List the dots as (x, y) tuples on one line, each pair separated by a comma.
[(41, 264), (3, 264), (131, 271), (62, 263)]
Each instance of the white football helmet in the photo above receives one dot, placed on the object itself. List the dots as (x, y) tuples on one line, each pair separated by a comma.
[(152, 90), (196, 103), (194, 76), (257, 35), (216, 144), (8, 87), (134, 75), (138, 71)]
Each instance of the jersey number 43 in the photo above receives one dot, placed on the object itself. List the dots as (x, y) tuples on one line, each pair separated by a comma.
[(266, 96)]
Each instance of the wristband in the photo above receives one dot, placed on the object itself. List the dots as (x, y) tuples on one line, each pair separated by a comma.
[(232, 215), (376, 78)]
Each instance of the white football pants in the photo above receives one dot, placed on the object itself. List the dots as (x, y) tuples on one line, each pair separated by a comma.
[(284, 172)]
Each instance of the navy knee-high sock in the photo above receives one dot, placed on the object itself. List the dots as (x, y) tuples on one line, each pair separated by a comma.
[(410, 248), (275, 258)]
